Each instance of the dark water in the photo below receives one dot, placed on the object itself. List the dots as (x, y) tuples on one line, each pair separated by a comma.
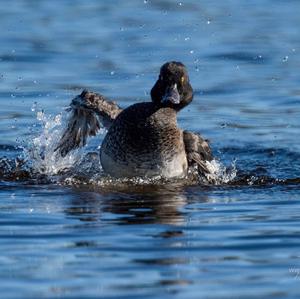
[(239, 239)]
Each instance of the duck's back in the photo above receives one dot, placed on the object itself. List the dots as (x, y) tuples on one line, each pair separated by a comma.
[(144, 140)]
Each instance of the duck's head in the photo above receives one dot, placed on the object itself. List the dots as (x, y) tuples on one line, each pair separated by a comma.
[(173, 88)]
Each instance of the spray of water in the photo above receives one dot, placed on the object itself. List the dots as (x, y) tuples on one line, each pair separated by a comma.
[(40, 154), (219, 173)]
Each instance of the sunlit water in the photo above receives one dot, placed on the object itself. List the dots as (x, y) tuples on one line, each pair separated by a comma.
[(68, 231)]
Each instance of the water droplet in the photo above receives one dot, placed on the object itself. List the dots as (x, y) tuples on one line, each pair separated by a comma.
[(192, 51), (40, 115), (112, 73), (187, 38), (20, 79), (57, 119), (285, 59), (180, 4), (34, 106), (208, 21), (145, 1), (34, 82)]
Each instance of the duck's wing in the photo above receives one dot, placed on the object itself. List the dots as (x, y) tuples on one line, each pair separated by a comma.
[(89, 112), (197, 151)]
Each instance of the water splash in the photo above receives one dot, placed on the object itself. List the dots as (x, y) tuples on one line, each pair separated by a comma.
[(40, 154), (219, 173)]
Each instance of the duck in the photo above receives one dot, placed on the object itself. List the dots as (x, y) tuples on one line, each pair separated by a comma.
[(142, 140)]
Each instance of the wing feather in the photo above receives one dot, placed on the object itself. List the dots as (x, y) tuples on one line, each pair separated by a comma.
[(197, 150), (89, 112)]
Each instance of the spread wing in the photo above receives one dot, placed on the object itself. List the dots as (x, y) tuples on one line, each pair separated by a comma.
[(197, 150), (89, 111)]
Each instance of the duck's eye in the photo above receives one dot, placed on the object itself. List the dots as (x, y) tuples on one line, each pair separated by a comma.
[(182, 80)]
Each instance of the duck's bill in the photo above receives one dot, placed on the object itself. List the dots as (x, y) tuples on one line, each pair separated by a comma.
[(171, 95)]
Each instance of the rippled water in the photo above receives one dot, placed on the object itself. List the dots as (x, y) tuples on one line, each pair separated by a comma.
[(238, 239)]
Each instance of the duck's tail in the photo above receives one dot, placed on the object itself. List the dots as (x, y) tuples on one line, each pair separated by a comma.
[(90, 111)]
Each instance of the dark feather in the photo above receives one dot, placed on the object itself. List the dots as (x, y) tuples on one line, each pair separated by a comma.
[(89, 112), (197, 151)]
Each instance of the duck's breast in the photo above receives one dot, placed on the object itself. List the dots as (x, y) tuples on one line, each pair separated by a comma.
[(144, 141)]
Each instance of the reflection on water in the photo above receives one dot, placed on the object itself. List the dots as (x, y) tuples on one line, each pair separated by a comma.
[(118, 240), (148, 241), (152, 204)]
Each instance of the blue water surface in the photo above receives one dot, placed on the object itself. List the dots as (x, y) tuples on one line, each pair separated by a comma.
[(239, 240)]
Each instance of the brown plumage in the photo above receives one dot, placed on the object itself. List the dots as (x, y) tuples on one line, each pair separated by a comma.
[(143, 139), (89, 109), (197, 151)]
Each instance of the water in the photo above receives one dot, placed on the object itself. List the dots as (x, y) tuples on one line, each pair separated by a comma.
[(104, 239)]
